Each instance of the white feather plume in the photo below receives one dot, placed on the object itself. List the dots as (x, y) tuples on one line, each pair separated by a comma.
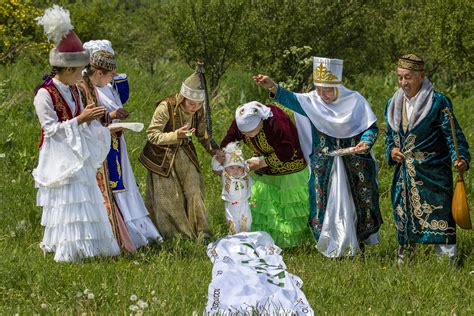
[(56, 23)]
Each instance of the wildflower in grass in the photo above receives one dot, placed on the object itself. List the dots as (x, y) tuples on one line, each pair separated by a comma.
[(133, 297), (136, 263), (86, 291), (90, 296), (79, 294), (142, 304), (153, 293), (2, 155), (104, 285), (471, 273), (133, 308), (155, 300), (43, 305)]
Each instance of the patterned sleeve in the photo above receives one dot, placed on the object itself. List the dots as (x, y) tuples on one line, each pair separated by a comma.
[(370, 135), (463, 145)]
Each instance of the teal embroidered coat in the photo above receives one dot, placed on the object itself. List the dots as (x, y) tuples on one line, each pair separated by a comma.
[(361, 171), (422, 186)]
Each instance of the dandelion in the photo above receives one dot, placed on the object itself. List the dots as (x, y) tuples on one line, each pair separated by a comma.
[(142, 304), (133, 308), (86, 291), (2, 155), (90, 296), (43, 305), (13, 181), (153, 293), (133, 297), (471, 273), (155, 300)]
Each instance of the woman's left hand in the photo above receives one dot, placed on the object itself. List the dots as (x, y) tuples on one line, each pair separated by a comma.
[(119, 114)]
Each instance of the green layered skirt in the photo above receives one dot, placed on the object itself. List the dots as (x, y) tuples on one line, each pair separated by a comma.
[(280, 207)]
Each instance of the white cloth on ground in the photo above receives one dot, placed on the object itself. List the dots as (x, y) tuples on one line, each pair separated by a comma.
[(249, 276), (74, 215), (135, 215)]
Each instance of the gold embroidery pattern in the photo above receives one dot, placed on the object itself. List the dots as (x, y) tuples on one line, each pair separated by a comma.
[(119, 170), (227, 182), (421, 211), (113, 184), (243, 224), (115, 143), (261, 146), (323, 75), (231, 225)]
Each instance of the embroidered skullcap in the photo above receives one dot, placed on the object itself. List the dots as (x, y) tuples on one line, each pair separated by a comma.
[(68, 50), (102, 59), (191, 88), (249, 115), (411, 62), (327, 72), (234, 156)]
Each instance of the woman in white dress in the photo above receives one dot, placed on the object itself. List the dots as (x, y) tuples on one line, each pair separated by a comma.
[(140, 228), (73, 145)]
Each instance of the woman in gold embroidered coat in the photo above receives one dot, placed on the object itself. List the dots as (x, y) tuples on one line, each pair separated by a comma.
[(280, 201), (174, 194)]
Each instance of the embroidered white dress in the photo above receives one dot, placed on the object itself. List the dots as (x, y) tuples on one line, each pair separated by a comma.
[(140, 227), (74, 216)]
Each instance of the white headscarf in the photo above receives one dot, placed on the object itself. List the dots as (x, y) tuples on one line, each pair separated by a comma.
[(96, 45), (349, 115), (249, 115)]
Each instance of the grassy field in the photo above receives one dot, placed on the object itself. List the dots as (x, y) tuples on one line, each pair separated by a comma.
[(172, 279)]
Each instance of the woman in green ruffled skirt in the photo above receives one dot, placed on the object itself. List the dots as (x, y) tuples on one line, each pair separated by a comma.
[(280, 200)]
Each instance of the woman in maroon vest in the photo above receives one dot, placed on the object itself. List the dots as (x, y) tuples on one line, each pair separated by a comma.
[(280, 201), (73, 145)]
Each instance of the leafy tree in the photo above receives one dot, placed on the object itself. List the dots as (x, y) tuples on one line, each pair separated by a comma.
[(19, 32), (210, 30)]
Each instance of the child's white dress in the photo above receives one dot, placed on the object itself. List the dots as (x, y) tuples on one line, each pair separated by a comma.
[(235, 193)]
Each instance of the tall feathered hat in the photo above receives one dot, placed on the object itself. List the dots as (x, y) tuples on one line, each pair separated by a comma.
[(68, 51)]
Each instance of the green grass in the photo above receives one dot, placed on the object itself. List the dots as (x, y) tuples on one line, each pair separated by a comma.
[(173, 278)]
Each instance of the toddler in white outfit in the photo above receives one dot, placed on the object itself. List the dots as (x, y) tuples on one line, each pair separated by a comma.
[(236, 188)]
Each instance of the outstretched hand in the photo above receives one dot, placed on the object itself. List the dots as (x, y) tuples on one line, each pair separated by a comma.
[(266, 82)]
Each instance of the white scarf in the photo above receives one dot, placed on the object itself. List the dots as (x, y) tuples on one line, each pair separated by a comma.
[(422, 103), (349, 115)]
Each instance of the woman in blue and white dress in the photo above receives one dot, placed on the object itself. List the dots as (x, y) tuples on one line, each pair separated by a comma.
[(123, 184)]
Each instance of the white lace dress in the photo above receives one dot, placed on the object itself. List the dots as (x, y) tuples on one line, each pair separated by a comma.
[(74, 215), (140, 227)]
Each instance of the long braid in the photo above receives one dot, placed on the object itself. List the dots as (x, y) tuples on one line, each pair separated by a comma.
[(47, 77)]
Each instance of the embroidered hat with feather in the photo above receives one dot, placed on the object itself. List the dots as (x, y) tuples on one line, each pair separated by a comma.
[(68, 50)]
